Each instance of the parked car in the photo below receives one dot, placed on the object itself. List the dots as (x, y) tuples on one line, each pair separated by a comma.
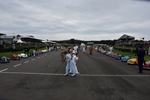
[(132, 61), (118, 57), (14, 57), (146, 65), (103, 51), (113, 55), (23, 55), (108, 53), (125, 58), (4, 59)]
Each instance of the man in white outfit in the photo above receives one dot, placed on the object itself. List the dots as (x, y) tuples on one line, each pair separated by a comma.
[(74, 59), (75, 49)]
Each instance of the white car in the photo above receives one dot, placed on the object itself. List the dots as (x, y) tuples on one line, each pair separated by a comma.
[(43, 51), (23, 55)]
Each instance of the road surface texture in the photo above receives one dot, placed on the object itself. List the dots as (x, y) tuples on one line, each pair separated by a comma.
[(101, 78)]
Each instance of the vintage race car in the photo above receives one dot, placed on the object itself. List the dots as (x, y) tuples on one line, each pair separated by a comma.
[(23, 55), (125, 58), (146, 65), (4, 59), (43, 51), (132, 61), (118, 57), (103, 51), (113, 55), (107, 53), (14, 57)]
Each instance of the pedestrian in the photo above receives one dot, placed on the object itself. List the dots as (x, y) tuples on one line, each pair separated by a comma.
[(75, 48), (14, 48), (74, 59), (136, 50), (140, 54), (62, 55), (34, 52), (83, 48), (70, 64), (111, 48), (149, 51), (91, 49)]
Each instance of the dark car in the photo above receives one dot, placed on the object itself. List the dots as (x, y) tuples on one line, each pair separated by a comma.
[(4, 59)]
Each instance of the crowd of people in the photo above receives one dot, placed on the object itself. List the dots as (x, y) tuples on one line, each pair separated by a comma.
[(70, 55)]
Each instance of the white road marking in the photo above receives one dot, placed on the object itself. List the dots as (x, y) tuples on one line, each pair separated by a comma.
[(32, 59), (17, 65), (3, 70), (89, 75), (26, 61), (38, 57), (96, 75), (28, 73)]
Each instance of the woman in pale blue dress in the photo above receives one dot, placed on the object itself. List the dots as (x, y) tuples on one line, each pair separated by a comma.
[(70, 64)]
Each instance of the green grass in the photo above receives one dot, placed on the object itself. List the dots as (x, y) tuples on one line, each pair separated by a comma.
[(126, 47), (8, 54)]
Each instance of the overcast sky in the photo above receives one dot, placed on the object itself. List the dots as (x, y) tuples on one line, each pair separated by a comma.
[(78, 19)]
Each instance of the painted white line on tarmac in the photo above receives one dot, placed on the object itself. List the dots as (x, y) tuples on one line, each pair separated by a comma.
[(96, 75), (86, 75), (17, 65), (32, 59), (38, 57), (3, 70), (26, 61), (28, 73)]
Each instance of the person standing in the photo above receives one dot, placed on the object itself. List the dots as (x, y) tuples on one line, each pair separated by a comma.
[(34, 52), (74, 59), (140, 54), (70, 64), (14, 48), (149, 51), (62, 55), (91, 49), (136, 50), (111, 48)]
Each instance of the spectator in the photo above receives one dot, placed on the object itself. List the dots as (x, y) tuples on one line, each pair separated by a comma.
[(140, 54)]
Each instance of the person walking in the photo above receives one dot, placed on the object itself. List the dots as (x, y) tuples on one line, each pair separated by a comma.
[(140, 54), (70, 64), (62, 55), (34, 52), (149, 51), (91, 49), (74, 60)]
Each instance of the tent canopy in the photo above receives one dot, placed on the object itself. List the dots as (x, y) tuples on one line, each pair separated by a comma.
[(20, 41), (126, 37)]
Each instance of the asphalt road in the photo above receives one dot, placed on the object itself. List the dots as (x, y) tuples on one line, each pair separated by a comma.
[(100, 78)]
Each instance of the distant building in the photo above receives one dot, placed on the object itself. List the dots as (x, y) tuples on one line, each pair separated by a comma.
[(125, 39), (89, 43), (27, 39)]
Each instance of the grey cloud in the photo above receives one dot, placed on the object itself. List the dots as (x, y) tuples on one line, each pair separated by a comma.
[(82, 19)]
